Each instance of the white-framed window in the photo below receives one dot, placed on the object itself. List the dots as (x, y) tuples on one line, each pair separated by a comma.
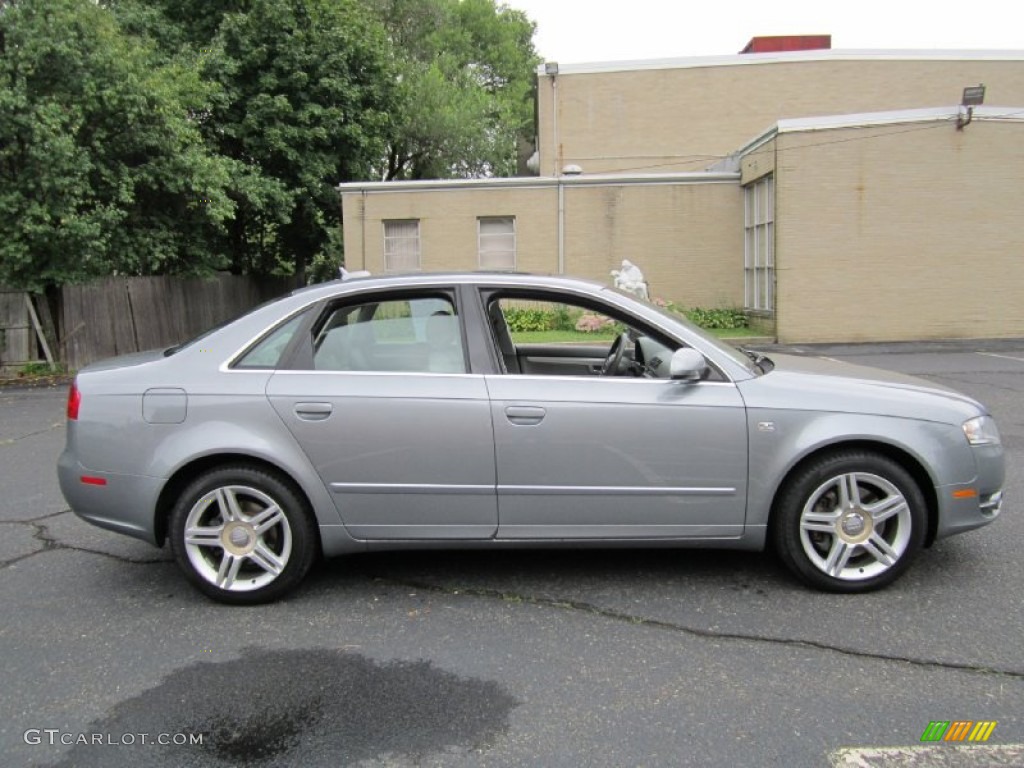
[(759, 244), (497, 242), (402, 245)]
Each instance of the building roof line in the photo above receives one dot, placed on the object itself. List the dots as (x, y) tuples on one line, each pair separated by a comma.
[(784, 57), (540, 182), (874, 119)]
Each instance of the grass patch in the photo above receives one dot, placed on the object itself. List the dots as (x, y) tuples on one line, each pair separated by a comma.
[(557, 337), (606, 337)]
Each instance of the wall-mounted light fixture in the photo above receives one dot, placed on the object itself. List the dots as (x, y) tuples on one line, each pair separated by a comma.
[(974, 96)]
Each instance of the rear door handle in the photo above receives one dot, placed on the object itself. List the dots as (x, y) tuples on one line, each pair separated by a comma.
[(313, 411), (524, 415)]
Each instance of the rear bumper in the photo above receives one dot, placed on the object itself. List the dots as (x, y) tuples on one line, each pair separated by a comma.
[(122, 503)]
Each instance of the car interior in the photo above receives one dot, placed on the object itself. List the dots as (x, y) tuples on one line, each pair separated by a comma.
[(414, 335), (584, 342), (536, 334)]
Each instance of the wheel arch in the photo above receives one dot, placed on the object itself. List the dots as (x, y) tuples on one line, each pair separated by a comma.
[(912, 464), (186, 473)]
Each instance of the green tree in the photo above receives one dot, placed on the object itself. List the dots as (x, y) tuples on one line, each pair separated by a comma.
[(102, 165), (305, 89), (308, 88), (145, 136), (465, 87)]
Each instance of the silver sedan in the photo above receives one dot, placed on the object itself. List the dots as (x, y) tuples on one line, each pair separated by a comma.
[(484, 410)]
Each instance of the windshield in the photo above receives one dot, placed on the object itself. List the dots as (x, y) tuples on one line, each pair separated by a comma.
[(747, 360)]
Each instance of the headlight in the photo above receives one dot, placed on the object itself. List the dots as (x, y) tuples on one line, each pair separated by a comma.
[(981, 430)]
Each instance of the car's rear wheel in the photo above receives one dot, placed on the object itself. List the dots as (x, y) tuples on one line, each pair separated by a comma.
[(242, 535), (850, 521)]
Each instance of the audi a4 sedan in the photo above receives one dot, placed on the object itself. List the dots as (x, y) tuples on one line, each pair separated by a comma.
[(507, 410)]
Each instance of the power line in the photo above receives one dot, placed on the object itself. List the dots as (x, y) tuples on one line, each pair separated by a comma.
[(695, 159)]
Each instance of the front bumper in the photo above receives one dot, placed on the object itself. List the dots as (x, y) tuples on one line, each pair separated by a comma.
[(966, 506)]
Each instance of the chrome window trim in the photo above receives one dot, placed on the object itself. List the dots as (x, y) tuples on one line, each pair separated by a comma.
[(226, 365), (404, 374), (255, 342), (602, 294), (609, 379), (607, 295)]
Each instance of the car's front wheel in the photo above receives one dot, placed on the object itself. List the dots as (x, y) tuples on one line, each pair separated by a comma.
[(850, 521), (242, 535)]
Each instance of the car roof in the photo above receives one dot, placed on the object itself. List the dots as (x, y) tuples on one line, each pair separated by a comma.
[(511, 279)]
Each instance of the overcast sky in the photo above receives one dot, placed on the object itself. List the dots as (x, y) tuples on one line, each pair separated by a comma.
[(574, 31)]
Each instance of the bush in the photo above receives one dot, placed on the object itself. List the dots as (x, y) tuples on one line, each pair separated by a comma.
[(522, 320), (717, 318), (563, 318), (589, 323)]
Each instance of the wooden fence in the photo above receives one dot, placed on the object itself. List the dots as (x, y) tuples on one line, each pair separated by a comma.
[(119, 315), (17, 338)]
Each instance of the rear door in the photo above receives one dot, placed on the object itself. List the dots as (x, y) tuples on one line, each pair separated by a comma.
[(383, 406)]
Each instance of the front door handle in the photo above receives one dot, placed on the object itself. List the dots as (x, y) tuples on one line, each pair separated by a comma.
[(524, 415), (313, 411)]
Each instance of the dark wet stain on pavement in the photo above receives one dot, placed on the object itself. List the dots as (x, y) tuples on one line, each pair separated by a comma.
[(299, 707)]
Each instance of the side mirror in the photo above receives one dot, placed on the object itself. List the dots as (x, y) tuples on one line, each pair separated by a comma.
[(687, 365)]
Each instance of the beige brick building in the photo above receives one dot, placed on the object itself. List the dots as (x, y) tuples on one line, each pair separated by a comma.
[(832, 193)]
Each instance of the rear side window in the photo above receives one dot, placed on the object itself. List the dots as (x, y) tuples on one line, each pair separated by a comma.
[(413, 335), (267, 352)]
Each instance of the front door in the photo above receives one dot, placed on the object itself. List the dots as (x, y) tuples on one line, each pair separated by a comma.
[(609, 457), (594, 440)]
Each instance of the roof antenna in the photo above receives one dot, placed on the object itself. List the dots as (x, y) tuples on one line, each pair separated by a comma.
[(344, 274)]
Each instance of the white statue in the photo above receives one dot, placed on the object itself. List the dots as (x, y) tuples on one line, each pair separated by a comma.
[(630, 279)]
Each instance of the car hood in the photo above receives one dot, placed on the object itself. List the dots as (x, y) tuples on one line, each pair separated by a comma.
[(815, 383)]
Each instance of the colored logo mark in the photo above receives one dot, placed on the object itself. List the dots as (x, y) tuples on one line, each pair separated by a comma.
[(958, 730)]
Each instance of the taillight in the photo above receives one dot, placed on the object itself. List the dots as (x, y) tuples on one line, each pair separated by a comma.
[(74, 401)]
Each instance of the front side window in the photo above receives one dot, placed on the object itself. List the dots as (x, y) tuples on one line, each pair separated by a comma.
[(541, 335), (412, 335), (497, 242), (402, 245)]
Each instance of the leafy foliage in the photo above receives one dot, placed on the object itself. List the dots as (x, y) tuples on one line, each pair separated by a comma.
[(182, 136), (727, 318), (307, 89), (465, 87), (102, 169), (723, 319), (547, 317), (521, 319)]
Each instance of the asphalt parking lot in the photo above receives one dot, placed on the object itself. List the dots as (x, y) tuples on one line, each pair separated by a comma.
[(649, 658)]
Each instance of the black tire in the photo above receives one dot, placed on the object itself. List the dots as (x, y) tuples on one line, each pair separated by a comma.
[(835, 542), (243, 514)]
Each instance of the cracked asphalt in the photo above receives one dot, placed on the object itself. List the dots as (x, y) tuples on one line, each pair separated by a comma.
[(542, 658)]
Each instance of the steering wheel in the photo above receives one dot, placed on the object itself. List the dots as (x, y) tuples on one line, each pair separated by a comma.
[(618, 348)]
